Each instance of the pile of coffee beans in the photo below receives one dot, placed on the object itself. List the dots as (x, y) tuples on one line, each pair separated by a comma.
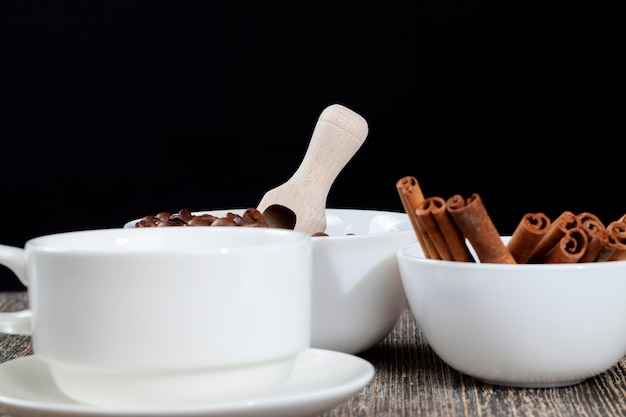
[(251, 217)]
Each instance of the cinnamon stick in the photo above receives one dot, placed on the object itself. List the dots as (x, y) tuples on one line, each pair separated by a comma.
[(569, 249), (531, 228), (442, 230), (590, 223), (565, 221), (430, 226), (600, 247), (593, 226), (411, 196), (617, 230), (474, 222)]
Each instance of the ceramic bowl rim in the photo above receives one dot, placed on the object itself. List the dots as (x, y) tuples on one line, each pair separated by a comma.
[(131, 223), (403, 255)]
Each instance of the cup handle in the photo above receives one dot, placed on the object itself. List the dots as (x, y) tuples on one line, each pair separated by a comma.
[(15, 322)]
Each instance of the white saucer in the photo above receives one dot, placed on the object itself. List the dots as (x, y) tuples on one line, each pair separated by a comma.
[(321, 380)]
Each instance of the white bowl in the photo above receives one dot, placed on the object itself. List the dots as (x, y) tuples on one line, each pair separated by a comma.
[(357, 291), (529, 325)]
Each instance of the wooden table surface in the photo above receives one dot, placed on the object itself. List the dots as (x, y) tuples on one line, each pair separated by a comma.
[(411, 380)]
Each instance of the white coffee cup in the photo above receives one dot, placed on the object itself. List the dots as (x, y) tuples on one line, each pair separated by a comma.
[(165, 316)]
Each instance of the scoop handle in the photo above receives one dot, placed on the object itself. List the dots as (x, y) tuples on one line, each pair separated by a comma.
[(337, 136)]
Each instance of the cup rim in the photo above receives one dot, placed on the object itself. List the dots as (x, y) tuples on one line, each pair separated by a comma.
[(70, 241)]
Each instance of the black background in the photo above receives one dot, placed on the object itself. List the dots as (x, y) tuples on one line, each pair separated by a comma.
[(117, 109)]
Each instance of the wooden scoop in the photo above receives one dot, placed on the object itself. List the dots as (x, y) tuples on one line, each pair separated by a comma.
[(300, 203)]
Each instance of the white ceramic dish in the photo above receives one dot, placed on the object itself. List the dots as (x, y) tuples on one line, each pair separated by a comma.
[(529, 325), (321, 380), (99, 301), (357, 291)]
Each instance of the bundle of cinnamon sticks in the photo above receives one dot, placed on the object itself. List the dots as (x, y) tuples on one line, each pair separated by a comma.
[(444, 228)]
